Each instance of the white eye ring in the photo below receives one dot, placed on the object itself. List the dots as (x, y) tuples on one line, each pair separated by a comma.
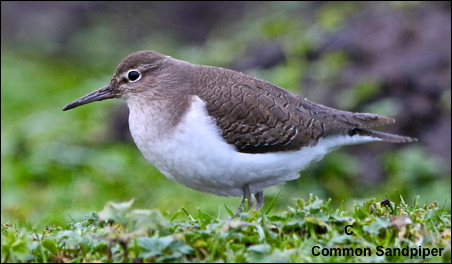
[(132, 75)]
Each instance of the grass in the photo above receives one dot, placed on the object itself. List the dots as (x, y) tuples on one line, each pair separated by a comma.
[(309, 231)]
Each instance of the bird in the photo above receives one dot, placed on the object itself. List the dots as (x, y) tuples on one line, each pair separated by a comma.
[(222, 132)]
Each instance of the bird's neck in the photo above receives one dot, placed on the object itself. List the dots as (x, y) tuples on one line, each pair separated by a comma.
[(155, 117)]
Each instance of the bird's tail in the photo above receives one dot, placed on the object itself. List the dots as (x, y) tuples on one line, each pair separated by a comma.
[(383, 136)]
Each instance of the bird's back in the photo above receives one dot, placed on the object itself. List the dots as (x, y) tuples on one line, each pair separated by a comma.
[(258, 117)]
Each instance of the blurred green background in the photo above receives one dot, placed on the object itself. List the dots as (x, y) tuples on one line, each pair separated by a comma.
[(390, 58)]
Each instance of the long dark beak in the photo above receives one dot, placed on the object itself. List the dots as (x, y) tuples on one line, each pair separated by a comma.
[(102, 94)]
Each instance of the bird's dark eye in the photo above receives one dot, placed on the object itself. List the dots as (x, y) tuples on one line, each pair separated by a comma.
[(133, 75)]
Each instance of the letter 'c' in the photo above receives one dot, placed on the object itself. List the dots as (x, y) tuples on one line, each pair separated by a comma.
[(346, 230)]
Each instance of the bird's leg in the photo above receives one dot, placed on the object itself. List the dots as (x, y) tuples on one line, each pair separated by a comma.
[(259, 199), (246, 196), (259, 196)]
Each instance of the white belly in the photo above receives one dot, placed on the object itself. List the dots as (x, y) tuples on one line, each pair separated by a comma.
[(195, 155)]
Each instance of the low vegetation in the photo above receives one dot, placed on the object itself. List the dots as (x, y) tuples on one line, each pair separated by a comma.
[(309, 231)]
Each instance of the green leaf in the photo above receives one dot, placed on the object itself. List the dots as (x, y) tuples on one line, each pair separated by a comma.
[(51, 246), (262, 248), (153, 246), (115, 211), (375, 227)]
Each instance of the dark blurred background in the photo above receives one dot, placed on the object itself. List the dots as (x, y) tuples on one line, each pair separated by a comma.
[(390, 58)]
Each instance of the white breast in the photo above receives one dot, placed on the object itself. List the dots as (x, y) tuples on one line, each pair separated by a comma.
[(195, 155)]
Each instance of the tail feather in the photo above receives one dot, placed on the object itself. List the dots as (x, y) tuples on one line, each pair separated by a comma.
[(381, 135)]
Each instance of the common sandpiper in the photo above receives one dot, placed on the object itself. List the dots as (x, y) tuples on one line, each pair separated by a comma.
[(222, 132)]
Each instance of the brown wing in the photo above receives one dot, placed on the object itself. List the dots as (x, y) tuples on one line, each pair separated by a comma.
[(257, 117)]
